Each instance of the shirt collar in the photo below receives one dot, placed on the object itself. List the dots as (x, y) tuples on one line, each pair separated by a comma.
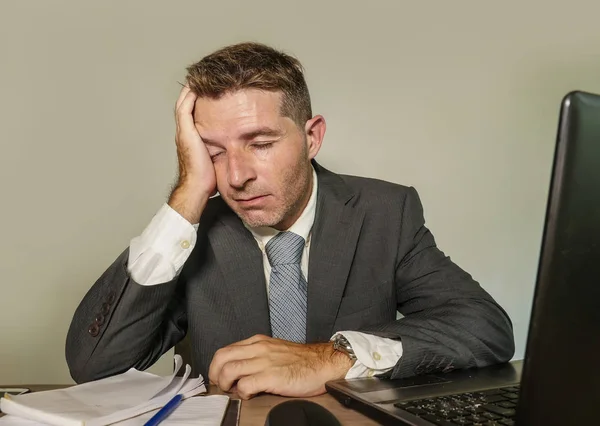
[(302, 226)]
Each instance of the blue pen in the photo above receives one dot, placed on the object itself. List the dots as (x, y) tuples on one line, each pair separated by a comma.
[(164, 412)]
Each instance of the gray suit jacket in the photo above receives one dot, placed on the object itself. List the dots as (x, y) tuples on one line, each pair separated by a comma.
[(371, 255)]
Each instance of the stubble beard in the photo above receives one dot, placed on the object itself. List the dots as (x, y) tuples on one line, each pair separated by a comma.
[(296, 184)]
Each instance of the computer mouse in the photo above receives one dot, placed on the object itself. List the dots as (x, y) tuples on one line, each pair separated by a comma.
[(300, 412)]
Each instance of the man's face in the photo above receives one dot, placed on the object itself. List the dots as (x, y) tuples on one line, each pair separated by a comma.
[(261, 159)]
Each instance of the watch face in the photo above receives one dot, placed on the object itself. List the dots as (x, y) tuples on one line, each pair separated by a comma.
[(341, 344), (342, 340)]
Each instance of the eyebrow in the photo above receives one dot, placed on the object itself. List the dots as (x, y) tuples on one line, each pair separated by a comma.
[(262, 131)]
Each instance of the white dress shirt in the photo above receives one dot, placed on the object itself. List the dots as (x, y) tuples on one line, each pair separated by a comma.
[(159, 253)]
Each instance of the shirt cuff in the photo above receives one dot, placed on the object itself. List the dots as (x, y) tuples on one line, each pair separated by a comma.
[(159, 253), (374, 355)]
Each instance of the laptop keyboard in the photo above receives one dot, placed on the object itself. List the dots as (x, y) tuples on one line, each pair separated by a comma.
[(490, 407)]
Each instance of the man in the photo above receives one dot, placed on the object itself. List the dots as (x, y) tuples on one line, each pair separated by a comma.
[(292, 275)]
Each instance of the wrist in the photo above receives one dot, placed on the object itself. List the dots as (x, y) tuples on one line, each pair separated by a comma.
[(189, 202), (340, 361)]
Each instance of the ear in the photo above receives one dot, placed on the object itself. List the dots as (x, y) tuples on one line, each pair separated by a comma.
[(315, 132)]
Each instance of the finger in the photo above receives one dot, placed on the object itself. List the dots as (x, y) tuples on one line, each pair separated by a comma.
[(186, 106), (251, 340), (184, 91), (235, 370), (227, 354), (232, 353), (251, 385), (184, 121), (184, 118)]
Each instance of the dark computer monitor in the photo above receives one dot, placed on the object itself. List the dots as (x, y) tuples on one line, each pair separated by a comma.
[(560, 377), (561, 373)]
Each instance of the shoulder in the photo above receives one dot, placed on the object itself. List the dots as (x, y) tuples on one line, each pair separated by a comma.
[(376, 192)]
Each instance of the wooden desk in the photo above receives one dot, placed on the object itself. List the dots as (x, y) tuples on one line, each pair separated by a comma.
[(254, 411)]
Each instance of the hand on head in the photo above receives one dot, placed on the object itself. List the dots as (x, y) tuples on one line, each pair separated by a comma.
[(197, 181)]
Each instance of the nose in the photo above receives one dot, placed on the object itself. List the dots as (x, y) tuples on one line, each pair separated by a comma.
[(239, 170)]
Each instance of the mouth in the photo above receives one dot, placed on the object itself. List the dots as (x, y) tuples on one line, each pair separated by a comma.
[(250, 201)]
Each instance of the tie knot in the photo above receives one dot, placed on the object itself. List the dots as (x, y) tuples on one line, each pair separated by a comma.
[(285, 248)]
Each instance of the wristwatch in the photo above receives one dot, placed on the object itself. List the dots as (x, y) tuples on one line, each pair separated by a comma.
[(340, 343)]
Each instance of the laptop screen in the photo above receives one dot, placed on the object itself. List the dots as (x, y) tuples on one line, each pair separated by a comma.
[(561, 378)]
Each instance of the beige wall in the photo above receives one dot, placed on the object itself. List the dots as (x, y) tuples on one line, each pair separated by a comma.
[(459, 99)]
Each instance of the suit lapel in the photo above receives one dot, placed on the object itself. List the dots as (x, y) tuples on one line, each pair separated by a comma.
[(333, 244), (240, 262)]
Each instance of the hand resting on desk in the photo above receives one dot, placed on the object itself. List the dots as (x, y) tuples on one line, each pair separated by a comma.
[(264, 364)]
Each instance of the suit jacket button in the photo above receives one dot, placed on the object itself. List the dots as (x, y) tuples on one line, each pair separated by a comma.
[(105, 309), (99, 319), (94, 330), (111, 298)]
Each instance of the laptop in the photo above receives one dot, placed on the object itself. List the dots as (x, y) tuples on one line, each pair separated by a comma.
[(558, 383)]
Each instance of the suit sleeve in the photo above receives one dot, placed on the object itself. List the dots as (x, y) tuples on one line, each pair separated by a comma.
[(121, 324), (449, 320)]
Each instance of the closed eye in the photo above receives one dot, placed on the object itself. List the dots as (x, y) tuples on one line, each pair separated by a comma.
[(265, 145), (213, 157)]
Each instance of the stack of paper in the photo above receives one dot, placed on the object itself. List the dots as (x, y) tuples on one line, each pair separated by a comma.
[(107, 401), (197, 411)]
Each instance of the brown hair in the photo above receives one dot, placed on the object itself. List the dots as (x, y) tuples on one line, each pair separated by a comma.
[(253, 66)]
